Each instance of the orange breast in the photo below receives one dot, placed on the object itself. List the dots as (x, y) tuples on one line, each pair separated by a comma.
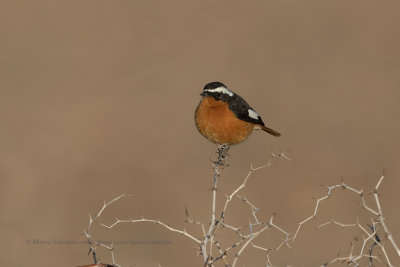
[(219, 124)]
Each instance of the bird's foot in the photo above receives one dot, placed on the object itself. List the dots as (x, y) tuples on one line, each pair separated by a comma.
[(222, 155)]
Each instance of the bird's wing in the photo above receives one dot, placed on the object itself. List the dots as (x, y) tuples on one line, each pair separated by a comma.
[(243, 110)]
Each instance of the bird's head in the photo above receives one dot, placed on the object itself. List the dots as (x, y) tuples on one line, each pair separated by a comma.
[(217, 90)]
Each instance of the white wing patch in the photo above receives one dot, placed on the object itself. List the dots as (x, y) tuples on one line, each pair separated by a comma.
[(252, 114), (220, 89)]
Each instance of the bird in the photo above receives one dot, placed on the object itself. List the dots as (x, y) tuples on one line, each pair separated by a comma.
[(225, 118)]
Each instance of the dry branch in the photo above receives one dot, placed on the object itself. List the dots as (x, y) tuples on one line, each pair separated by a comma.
[(209, 244)]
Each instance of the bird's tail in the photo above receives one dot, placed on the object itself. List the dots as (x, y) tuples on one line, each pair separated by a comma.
[(270, 131)]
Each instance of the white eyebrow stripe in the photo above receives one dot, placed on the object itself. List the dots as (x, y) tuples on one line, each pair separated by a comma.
[(253, 114), (220, 89)]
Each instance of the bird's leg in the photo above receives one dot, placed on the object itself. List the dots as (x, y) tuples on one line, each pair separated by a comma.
[(222, 154)]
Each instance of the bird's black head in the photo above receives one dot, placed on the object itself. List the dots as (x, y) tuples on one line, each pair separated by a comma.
[(214, 85), (217, 90)]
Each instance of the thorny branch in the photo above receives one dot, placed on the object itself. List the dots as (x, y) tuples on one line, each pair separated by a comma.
[(92, 245), (210, 246), (378, 221), (215, 224)]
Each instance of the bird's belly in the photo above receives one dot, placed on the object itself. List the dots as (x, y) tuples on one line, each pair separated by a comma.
[(220, 125)]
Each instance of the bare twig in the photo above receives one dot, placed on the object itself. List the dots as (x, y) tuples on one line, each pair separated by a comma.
[(379, 220), (209, 244), (182, 232), (92, 247)]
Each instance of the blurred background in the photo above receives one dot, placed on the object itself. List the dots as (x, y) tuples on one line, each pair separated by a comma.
[(97, 99)]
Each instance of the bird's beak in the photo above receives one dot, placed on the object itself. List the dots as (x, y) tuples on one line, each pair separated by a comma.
[(202, 94)]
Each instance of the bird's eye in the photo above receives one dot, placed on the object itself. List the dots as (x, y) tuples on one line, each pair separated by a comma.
[(218, 95)]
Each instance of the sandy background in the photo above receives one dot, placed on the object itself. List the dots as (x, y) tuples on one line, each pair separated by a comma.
[(97, 98)]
